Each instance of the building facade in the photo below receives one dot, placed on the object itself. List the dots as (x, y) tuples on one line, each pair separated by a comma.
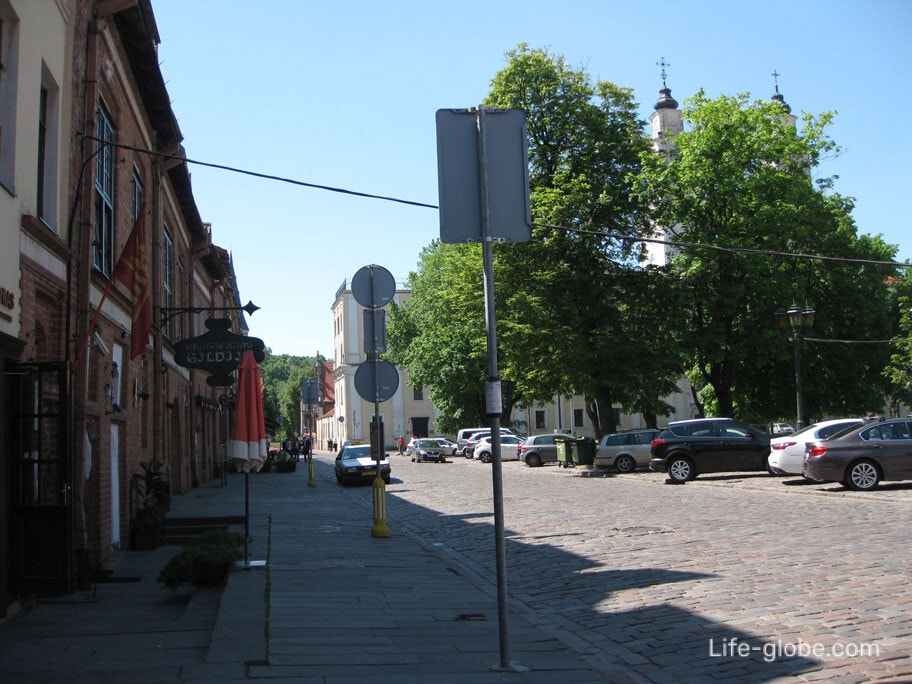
[(90, 157)]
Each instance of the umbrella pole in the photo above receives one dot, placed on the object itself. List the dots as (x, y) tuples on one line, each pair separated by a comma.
[(247, 519)]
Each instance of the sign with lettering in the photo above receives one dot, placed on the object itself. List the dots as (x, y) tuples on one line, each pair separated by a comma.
[(217, 352)]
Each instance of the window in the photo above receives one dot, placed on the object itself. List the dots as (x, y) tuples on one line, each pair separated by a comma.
[(48, 139), (9, 70), (578, 418), (540, 419), (179, 301), (138, 196), (104, 195), (419, 394), (167, 272)]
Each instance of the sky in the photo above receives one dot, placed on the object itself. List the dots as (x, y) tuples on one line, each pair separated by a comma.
[(344, 93)]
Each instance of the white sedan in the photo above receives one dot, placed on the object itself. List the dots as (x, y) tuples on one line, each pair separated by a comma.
[(787, 452), (509, 449)]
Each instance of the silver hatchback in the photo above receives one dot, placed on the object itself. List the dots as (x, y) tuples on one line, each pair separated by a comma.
[(625, 451)]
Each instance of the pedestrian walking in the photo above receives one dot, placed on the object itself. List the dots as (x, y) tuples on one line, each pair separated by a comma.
[(401, 444), (308, 448)]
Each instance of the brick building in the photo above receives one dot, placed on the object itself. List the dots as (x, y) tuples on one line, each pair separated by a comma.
[(90, 149)]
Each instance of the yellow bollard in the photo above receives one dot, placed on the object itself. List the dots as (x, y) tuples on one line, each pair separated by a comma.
[(312, 482), (380, 529)]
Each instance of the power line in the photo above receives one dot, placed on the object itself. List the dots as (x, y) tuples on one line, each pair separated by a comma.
[(266, 176), (730, 250), (385, 198)]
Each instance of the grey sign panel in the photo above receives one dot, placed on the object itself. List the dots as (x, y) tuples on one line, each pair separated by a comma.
[(374, 324), (376, 380), (309, 390), (373, 286), (459, 175)]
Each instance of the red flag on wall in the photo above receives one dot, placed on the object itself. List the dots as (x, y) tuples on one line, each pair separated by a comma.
[(132, 270)]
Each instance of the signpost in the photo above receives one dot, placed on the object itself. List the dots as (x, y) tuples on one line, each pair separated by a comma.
[(373, 287), (483, 184)]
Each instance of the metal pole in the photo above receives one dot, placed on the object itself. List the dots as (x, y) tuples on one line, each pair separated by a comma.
[(379, 528), (799, 394), (493, 397)]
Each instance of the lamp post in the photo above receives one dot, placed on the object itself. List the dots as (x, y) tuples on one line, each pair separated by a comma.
[(801, 321)]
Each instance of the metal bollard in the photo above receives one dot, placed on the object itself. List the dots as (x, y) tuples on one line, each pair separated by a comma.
[(380, 528), (312, 482)]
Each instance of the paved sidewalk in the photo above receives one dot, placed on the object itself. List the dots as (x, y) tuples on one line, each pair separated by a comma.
[(331, 605)]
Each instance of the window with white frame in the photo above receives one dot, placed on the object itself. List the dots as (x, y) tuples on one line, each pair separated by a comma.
[(179, 299), (104, 195), (48, 143), (167, 278), (9, 70)]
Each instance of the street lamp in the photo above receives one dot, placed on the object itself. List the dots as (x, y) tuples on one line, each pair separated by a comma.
[(800, 321)]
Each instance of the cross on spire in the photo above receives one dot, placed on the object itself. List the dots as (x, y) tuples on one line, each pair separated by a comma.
[(776, 76), (662, 63)]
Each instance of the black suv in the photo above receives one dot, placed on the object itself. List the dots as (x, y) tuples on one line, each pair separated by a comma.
[(688, 448)]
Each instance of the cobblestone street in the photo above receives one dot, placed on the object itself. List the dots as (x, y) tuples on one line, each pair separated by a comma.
[(737, 577)]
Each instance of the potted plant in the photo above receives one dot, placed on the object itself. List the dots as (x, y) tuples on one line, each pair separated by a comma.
[(285, 462), (205, 562), (147, 523)]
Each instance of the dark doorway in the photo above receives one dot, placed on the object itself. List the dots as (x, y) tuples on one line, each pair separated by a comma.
[(420, 427), (40, 521)]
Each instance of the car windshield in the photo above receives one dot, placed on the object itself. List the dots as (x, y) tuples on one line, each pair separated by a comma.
[(360, 451)]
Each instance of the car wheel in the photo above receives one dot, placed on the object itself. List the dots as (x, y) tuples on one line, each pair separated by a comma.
[(386, 480), (625, 464), (681, 469), (862, 476), (533, 460), (485, 457)]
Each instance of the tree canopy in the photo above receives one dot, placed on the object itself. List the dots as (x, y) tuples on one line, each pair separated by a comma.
[(740, 178)]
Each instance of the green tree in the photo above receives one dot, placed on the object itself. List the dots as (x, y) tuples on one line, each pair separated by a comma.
[(282, 379), (899, 370), (740, 178), (563, 299)]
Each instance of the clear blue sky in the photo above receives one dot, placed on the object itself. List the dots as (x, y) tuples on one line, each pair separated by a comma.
[(343, 94)]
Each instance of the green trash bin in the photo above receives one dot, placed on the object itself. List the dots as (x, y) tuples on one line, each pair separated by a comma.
[(585, 451), (564, 451)]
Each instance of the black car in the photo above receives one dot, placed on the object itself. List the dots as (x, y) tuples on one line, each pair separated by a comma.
[(862, 456), (688, 448)]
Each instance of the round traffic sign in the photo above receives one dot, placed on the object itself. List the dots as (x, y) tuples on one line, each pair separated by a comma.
[(376, 380), (373, 286)]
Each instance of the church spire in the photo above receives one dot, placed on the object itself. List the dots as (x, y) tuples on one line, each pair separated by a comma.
[(777, 96), (665, 101)]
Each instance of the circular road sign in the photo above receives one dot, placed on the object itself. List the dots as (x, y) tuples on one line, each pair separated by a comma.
[(387, 380), (373, 286)]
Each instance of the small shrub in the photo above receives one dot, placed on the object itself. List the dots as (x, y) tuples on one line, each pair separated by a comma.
[(205, 562)]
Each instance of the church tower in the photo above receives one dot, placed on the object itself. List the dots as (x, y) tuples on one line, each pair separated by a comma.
[(667, 121)]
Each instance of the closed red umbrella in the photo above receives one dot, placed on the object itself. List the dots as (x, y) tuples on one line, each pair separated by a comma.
[(248, 438)]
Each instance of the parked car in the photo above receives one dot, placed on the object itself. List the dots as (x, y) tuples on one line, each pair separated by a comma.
[(863, 456), (463, 436), (472, 441), (787, 452), (625, 451), (688, 448), (430, 449), (448, 446), (354, 463), (540, 449), (782, 429), (509, 449)]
